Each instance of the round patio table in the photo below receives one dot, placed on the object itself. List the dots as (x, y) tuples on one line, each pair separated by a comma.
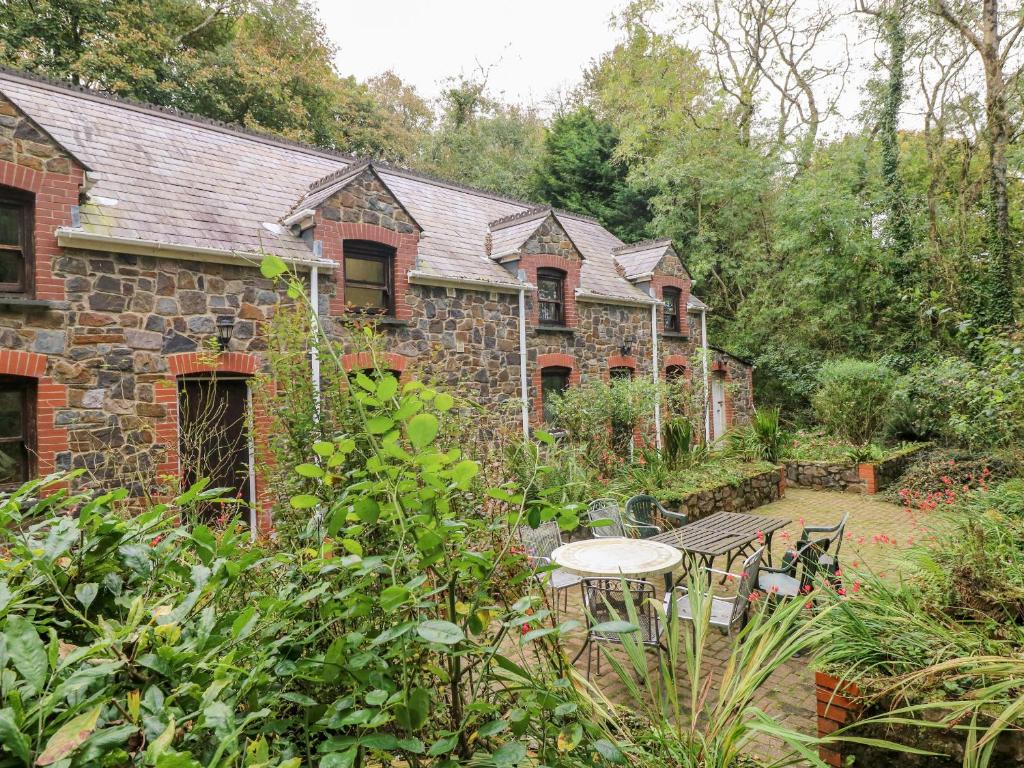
[(614, 556)]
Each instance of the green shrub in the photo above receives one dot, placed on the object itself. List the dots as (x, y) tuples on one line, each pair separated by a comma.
[(927, 396), (853, 397), (677, 441)]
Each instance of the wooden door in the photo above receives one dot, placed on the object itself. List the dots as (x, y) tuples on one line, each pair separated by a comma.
[(214, 436), (718, 405)]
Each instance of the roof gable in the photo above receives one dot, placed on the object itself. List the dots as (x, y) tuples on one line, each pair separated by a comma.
[(43, 134), (323, 189), (510, 235), (639, 261)]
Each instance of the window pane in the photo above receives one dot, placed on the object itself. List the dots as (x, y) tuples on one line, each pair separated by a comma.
[(670, 302), (10, 267), (550, 289), (552, 382), (10, 225), (621, 373), (365, 271), (366, 298), (13, 463), (11, 423), (549, 312)]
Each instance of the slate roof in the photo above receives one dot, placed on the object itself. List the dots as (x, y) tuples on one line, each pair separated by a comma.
[(640, 259), (186, 181)]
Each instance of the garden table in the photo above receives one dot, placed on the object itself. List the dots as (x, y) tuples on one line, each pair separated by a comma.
[(617, 556), (732, 534)]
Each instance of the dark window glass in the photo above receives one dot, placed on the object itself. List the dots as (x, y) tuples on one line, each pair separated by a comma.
[(17, 398), (553, 381), (675, 373), (551, 294), (670, 297), (369, 276), (15, 236), (621, 372)]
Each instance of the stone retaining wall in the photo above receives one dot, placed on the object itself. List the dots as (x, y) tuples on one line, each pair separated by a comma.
[(868, 477), (748, 494)]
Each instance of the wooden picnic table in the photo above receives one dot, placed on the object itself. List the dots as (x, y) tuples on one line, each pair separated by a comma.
[(731, 534)]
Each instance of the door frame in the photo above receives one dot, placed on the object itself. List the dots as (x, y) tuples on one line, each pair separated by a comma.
[(718, 396)]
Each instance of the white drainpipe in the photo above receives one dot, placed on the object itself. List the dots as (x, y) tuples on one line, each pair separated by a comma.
[(523, 385), (314, 353), (707, 377), (654, 375)]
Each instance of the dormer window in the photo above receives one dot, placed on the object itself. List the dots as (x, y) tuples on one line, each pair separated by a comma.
[(670, 297), (551, 296), (15, 243), (369, 277)]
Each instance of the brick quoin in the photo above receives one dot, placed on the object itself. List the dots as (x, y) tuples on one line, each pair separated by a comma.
[(550, 360), (51, 439), (166, 394), (333, 234), (659, 283), (838, 706), (530, 263), (53, 195), (867, 473)]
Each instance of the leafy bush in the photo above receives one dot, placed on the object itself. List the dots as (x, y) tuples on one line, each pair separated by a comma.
[(677, 440), (852, 399), (135, 640), (942, 470), (927, 396)]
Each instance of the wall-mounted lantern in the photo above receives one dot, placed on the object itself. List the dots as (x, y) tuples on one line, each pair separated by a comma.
[(627, 345), (225, 329)]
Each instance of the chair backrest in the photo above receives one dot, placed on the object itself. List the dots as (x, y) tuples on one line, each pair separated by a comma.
[(808, 557), (604, 599), (641, 509), (832, 534), (542, 540), (748, 580), (605, 509)]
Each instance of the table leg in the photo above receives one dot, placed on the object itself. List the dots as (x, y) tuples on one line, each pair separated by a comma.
[(768, 547)]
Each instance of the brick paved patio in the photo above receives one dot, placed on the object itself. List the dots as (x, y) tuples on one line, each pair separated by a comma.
[(875, 529)]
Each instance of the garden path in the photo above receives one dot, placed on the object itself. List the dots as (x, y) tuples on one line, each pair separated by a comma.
[(788, 695)]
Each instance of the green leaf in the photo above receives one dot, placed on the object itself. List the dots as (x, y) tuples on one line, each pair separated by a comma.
[(544, 437), (272, 266), (26, 651), (412, 714), (509, 755), (387, 387), (491, 728), (12, 737), (393, 596), (614, 628), (353, 547), (323, 448), (161, 743), (443, 745), (465, 471), (376, 697), (444, 402), (344, 759), (304, 501), (86, 593), (438, 631), (177, 760), (309, 470), (609, 751), (422, 429), (69, 737), (378, 425), (367, 509)]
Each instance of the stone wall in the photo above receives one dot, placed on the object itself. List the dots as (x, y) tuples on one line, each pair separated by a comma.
[(824, 475), (752, 492)]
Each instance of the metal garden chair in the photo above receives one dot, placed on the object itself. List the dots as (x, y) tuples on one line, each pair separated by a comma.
[(605, 509), (798, 572), (604, 599), (640, 512), (728, 614), (829, 560), (540, 542)]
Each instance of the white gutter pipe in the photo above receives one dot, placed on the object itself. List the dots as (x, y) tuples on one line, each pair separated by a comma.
[(523, 385), (314, 347), (707, 377), (654, 375)]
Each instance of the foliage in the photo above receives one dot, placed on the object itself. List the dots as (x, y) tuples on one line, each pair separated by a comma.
[(938, 470), (678, 444), (927, 396), (762, 440), (852, 398), (579, 172), (671, 487)]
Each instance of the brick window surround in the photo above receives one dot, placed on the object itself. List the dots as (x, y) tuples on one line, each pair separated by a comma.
[(659, 283), (675, 361), (386, 361), (166, 394), (530, 263), (552, 360), (51, 440), (334, 233), (619, 361), (53, 195)]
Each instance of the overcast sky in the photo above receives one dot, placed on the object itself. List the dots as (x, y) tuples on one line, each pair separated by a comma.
[(534, 46)]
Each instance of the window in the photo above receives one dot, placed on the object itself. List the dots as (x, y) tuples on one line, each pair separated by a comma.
[(620, 372), (551, 294), (553, 381), (15, 243), (675, 373), (369, 276), (17, 450), (671, 297)]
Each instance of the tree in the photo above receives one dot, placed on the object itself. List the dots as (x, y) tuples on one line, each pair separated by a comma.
[(579, 172), (997, 49)]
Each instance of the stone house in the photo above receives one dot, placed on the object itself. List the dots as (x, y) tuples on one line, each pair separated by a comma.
[(130, 237)]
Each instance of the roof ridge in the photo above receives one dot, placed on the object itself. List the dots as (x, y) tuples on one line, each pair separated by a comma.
[(171, 113), (641, 245), (325, 181), (522, 216)]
